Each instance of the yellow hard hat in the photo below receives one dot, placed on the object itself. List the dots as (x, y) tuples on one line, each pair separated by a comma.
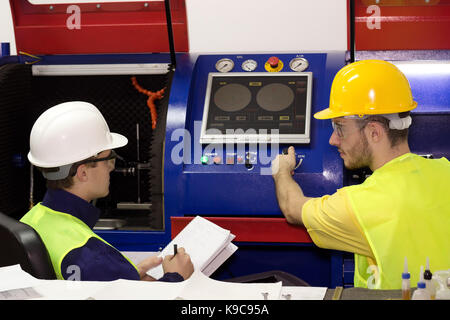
[(368, 87)]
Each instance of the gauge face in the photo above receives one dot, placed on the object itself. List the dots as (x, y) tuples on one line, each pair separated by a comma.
[(249, 65), (224, 65), (275, 97), (298, 64), (232, 97)]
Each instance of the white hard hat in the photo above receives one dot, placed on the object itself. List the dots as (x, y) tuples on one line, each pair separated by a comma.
[(70, 132)]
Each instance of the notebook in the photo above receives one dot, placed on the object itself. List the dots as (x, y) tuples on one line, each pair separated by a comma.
[(207, 244)]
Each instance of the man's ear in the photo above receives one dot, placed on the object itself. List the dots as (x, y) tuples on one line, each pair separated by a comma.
[(375, 131), (82, 174)]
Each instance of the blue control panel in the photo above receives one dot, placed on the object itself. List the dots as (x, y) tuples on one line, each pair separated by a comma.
[(234, 179)]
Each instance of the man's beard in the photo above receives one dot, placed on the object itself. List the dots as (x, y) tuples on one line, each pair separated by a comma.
[(360, 155)]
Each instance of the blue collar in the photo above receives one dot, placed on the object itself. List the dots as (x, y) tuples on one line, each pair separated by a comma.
[(63, 201)]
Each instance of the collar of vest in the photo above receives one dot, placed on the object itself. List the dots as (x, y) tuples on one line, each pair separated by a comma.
[(63, 201)]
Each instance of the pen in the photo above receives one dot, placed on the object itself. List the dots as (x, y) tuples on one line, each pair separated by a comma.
[(174, 250)]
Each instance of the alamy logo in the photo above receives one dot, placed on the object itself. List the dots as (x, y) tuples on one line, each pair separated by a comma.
[(74, 278), (73, 22), (374, 21), (374, 278), (181, 153)]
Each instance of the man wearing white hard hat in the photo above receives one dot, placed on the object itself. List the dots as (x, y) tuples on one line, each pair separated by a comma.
[(72, 146)]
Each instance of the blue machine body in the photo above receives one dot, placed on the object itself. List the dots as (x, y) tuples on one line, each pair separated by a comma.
[(234, 190), (192, 188)]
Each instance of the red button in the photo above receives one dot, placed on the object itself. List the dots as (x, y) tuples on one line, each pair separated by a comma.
[(273, 62)]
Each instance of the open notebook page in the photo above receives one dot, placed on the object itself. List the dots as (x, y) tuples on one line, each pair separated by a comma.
[(201, 239), (221, 257)]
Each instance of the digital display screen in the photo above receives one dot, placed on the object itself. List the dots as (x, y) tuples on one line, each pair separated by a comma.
[(243, 107)]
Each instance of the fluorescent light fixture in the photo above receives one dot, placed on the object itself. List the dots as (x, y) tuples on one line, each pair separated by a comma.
[(99, 69), (424, 67)]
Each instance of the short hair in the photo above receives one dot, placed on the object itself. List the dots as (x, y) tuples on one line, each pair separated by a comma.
[(66, 182), (394, 136)]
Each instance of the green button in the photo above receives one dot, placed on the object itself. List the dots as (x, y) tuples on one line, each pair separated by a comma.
[(204, 160)]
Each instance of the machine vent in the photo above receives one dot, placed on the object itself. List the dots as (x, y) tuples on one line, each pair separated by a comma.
[(15, 106)]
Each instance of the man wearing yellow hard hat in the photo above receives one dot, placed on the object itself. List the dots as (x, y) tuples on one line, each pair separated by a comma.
[(402, 209)]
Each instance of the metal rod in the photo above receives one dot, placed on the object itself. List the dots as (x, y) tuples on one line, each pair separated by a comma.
[(170, 34), (352, 30), (138, 159)]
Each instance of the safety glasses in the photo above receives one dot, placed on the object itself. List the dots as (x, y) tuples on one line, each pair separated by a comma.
[(343, 131), (111, 157)]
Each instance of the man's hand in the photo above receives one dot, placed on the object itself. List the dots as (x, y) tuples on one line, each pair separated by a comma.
[(284, 164), (148, 264), (180, 263)]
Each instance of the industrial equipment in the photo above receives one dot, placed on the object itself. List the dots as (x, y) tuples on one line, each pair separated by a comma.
[(218, 121)]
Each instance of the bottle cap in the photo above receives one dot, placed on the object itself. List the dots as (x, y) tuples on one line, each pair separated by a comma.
[(420, 282), (427, 275), (405, 274), (421, 285)]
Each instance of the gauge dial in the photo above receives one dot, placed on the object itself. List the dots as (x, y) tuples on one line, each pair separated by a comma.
[(224, 65), (298, 64), (249, 65)]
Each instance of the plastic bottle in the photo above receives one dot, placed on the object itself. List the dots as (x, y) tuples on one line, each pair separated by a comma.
[(442, 286), (406, 286), (429, 284), (421, 292)]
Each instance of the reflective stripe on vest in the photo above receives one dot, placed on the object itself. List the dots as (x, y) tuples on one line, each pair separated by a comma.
[(404, 211), (60, 232)]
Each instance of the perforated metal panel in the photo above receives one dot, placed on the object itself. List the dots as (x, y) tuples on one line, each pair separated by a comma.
[(15, 97)]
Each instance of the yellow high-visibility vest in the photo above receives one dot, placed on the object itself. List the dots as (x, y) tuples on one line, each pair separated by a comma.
[(404, 211), (60, 232)]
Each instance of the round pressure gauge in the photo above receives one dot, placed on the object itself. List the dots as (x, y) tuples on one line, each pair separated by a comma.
[(224, 65), (249, 65), (298, 64)]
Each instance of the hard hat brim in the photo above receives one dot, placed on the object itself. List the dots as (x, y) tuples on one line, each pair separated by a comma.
[(118, 141), (329, 114)]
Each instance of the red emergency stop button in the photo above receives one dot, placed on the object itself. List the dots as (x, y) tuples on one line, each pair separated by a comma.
[(273, 64)]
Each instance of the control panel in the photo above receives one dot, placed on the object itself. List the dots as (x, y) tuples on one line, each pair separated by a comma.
[(242, 111)]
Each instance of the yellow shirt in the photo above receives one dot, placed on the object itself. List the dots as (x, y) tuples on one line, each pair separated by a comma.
[(331, 224)]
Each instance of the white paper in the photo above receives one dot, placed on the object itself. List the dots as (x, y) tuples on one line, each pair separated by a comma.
[(67, 289), (13, 277), (201, 239), (302, 293), (139, 290), (220, 259), (18, 285), (200, 287), (19, 294)]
